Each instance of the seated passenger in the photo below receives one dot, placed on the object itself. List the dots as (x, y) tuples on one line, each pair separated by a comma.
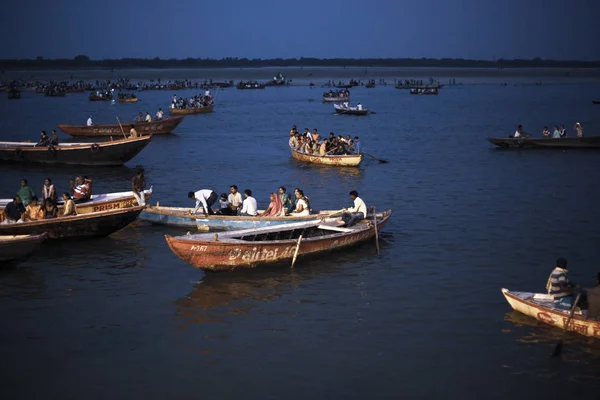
[(224, 206), (49, 209), (302, 208), (275, 208), (357, 213), (33, 211), (69, 206), (13, 212)]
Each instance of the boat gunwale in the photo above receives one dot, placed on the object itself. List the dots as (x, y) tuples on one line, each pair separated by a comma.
[(156, 210), (173, 119), (329, 156), (31, 147)]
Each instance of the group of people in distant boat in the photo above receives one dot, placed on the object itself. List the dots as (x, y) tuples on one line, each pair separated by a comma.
[(107, 94), (48, 141), (26, 206), (311, 143), (280, 205), (193, 102), (559, 132), (343, 93), (123, 96)]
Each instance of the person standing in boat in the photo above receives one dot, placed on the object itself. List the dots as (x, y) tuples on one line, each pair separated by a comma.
[(560, 287), (89, 121), (359, 107), (159, 114), (48, 191), (579, 130), (352, 215), (205, 198), (249, 206), (357, 146), (138, 184), (148, 118)]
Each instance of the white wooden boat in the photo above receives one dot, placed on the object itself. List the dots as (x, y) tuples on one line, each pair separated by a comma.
[(541, 307)]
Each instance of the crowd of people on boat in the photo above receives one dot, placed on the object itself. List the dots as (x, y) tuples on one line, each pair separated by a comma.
[(559, 132), (26, 206), (197, 101), (341, 94), (280, 204), (126, 96), (103, 94), (311, 143)]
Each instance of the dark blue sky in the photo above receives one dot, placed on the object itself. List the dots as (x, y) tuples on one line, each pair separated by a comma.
[(482, 29)]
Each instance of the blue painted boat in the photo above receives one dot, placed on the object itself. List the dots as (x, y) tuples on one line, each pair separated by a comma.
[(179, 216)]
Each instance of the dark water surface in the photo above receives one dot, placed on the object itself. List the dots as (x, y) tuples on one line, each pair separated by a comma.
[(122, 317)]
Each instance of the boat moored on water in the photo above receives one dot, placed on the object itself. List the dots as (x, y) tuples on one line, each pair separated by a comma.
[(542, 307), (100, 223), (339, 96), (127, 98), (249, 248), (180, 216), (425, 91), (115, 152), (586, 142), (156, 127), (17, 247), (250, 85), (352, 160)]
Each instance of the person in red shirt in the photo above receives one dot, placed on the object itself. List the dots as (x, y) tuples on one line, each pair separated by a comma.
[(81, 189)]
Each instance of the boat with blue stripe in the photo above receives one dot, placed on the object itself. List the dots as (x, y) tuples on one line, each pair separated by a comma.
[(181, 217)]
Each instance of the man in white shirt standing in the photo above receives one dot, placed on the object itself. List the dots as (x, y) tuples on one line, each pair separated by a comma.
[(89, 121), (354, 214), (519, 131), (359, 106), (206, 198), (159, 114), (148, 117), (235, 199), (249, 206)]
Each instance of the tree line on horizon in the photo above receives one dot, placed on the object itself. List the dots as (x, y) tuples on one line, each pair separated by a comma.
[(83, 61)]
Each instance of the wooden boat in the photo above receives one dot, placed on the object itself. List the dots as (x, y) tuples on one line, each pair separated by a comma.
[(101, 223), (430, 92), (369, 85), (595, 101), (17, 247), (352, 160), (179, 216), (328, 98), (93, 97), (115, 152), (98, 202), (250, 85), (541, 307), (249, 248), (128, 99), (341, 109), (160, 127), (402, 86), (586, 142), (195, 110)]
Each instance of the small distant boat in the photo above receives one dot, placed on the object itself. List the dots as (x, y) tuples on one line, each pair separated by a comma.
[(116, 152), (278, 80), (94, 97), (370, 85), (586, 142), (157, 127), (342, 109), (249, 248), (250, 85), (595, 101), (541, 307), (409, 86), (180, 216), (336, 97), (430, 91), (129, 99), (101, 223), (17, 247), (352, 160), (194, 110)]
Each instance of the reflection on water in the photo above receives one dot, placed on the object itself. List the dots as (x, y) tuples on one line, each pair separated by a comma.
[(579, 351)]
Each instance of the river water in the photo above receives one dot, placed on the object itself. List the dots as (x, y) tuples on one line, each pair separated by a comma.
[(122, 317)]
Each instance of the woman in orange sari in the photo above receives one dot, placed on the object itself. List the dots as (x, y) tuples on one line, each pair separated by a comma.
[(275, 208)]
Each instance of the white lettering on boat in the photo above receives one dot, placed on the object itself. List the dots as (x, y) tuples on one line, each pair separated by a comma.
[(257, 254), (198, 248)]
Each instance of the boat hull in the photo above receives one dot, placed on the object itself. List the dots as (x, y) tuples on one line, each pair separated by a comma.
[(586, 142), (215, 255), (102, 223), (164, 126), (349, 111), (335, 99), (335, 161), (176, 216), (187, 111), (14, 248), (523, 303), (116, 152), (134, 100)]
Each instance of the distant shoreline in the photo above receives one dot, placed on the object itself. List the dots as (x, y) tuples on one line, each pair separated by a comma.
[(83, 62)]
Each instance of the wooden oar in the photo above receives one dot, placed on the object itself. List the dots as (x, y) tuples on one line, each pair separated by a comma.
[(378, 159), (559, 345), (121, 128), (376, 232), (296, 252)]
